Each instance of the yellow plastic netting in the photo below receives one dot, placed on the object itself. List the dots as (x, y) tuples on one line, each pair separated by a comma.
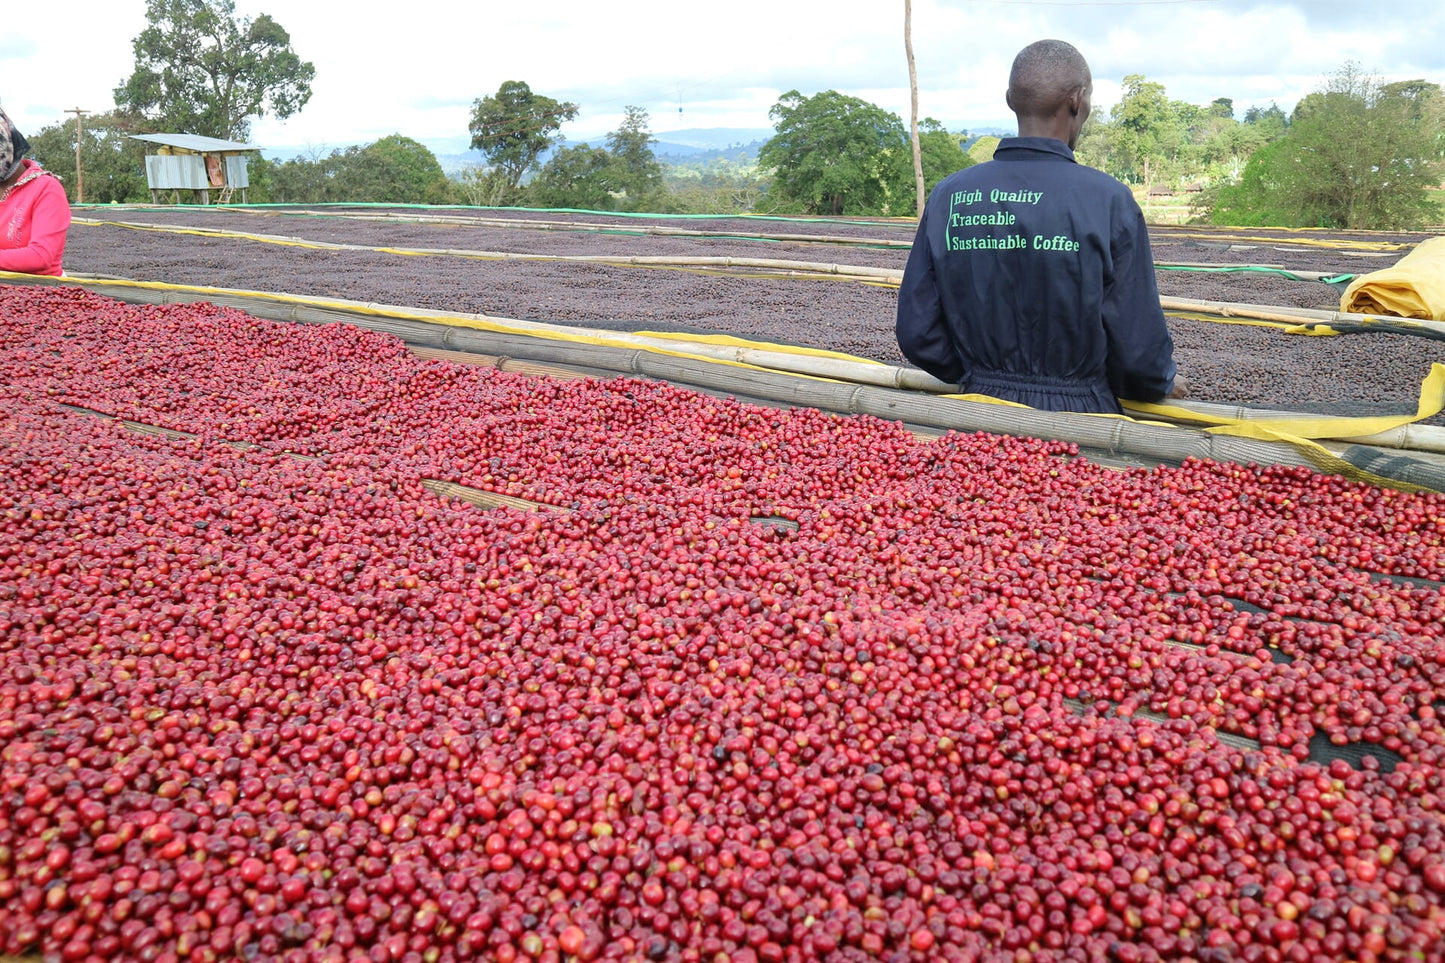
[(1430, 403)]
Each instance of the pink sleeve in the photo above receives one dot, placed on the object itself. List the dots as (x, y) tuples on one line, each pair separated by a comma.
[(49, 220)]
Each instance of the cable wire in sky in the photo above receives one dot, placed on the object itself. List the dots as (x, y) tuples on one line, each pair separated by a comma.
[(1092, 3)]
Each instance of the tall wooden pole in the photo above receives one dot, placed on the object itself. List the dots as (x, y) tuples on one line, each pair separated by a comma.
[(913, 93), (79, 173)]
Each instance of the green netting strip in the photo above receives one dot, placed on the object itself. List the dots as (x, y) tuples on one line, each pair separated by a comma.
[(1250, 269)]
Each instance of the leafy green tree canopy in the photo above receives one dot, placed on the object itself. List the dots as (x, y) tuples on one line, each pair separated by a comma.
[(483, 186), (1270, 121), (635, 169), (1358, 154), (941, 152), (833, 152), (392, 170), (299, 180), (200, 70), (574, 177), (113, 163), (1252, 202), (514, 126), (983, 148), (1150, 130)]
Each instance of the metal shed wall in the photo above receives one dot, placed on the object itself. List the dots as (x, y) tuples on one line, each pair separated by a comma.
[(166, 172), (236, 171)]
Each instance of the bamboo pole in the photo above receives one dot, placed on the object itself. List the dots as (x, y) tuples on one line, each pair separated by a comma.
[(843, 271), (1412, 436), (511, 365), (1283, 315), (485, 499), (1415, 437), (1294, 316), (590, 227), (443, 489)]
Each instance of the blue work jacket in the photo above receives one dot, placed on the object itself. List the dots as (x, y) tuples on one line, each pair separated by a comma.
[(1031, 280)]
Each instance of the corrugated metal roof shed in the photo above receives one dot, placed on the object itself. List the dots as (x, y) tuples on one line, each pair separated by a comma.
[(190, 162), (194, 142)]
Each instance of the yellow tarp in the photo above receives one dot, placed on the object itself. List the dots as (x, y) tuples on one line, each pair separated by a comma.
[(1431, 403), (1413, 288)]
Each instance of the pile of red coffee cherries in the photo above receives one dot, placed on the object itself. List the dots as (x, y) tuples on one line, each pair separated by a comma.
[(263, 695)]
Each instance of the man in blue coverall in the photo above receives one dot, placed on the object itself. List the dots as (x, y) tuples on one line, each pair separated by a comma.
[(1031, 277)]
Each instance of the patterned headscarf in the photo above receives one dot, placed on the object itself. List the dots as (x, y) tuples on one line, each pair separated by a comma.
[(13, 146)]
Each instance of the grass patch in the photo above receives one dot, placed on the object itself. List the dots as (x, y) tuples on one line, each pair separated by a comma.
[(1172, 209)]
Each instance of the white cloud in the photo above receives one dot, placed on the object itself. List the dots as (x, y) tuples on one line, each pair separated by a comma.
[(415, 68)]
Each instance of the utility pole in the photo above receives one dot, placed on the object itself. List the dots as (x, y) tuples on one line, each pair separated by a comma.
[(79, 176), (913, 96)]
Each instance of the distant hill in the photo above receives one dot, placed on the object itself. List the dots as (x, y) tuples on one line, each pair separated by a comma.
[(694, 145), (711, 138), (738, 153), (974, 133), (697, 145)]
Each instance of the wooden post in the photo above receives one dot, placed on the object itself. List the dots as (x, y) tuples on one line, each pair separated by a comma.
[(79, 173), (913, 92)]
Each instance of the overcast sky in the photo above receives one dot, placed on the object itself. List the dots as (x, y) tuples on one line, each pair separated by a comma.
[(414, 67)]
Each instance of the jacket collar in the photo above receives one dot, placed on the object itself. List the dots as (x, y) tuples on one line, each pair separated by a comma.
[(1021, 147)]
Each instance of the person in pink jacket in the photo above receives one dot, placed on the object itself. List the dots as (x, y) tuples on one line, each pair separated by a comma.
[(34, 212)]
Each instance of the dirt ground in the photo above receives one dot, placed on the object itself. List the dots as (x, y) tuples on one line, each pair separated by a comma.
[(1226, 363)]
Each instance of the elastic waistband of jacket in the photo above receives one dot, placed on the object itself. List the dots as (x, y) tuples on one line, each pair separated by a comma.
[(1075, 387)]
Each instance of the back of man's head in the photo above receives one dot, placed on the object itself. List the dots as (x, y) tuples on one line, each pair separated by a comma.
[(1044, 75)]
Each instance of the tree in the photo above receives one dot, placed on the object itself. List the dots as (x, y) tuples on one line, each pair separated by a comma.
[(982, 149), (1253, 202), (261, 174), (392, 170), (833, 153), (514, 127), (199, 70), (1149, 132), (1224, 146), (114, 163), (1270, 121), (634, 168), (1421, 103), (483, 186), (719, 187), (302, 179), (940, 153), (574, 177), (1357, 154)]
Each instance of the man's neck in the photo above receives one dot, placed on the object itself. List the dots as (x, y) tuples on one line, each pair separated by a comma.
[(1058, 128)]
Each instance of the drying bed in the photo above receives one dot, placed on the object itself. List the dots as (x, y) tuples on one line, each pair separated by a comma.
[(1364, 373), (755, 685)]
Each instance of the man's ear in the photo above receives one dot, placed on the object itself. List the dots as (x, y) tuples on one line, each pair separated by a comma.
[(1076, 101), (1008, 98)]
